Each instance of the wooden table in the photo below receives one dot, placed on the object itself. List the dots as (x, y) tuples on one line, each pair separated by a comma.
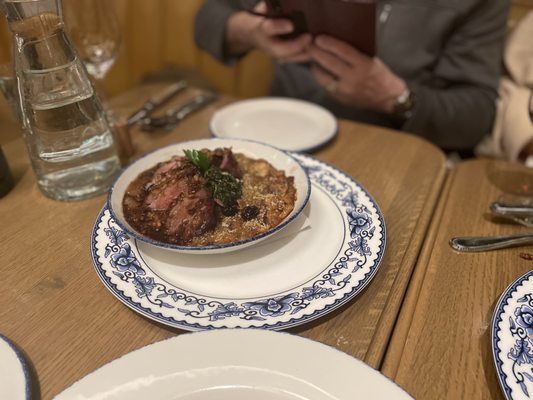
[(57, 310), (441, 347)]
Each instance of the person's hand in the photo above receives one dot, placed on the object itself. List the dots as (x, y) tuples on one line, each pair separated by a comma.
[(353, 78), (246, 31)]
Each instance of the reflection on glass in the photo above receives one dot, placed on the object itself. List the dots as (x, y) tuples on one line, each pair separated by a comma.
[(8, 87)]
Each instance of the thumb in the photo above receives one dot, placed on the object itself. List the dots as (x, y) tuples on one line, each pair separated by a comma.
[(275, 26)]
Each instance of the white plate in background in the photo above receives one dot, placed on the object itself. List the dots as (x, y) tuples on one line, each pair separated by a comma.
[(289, 124), (237, 364)]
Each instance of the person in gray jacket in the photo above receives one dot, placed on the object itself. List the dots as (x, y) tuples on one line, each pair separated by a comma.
[(435, 73)]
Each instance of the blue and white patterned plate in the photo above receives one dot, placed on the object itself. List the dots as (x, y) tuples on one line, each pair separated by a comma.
[(512, 338), (285, 281)]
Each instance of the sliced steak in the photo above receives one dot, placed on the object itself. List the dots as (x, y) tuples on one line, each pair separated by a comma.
[(168, 183), (192, 215), (174, 204)]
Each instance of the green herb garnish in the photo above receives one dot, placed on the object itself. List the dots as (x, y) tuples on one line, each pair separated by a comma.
[(226, 189), (199, 159)]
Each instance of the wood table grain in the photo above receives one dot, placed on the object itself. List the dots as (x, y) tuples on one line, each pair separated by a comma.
[(441, 347), (57, 310)]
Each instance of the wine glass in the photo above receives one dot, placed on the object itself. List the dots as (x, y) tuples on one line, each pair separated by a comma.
[(93, 27)]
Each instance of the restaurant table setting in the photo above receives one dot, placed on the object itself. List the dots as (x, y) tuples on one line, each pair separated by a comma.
[(373, 273), (336, 273)]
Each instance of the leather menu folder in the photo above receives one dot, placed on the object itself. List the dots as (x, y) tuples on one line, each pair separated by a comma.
[(352, 21)]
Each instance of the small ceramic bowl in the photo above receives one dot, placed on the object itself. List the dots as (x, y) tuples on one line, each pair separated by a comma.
[(279, 159)]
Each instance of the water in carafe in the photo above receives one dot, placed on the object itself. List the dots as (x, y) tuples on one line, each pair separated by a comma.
[(68, 137)]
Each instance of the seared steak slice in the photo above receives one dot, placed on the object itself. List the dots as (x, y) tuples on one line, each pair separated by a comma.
[(178, 199), (168, 183), (192, 216)]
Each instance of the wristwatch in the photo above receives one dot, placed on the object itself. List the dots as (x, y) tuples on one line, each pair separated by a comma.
[(404, 104)]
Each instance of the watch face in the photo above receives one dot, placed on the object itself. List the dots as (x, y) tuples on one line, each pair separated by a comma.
[(404, 105)]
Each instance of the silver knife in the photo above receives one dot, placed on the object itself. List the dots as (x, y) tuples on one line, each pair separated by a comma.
[(156, 101), (174, 116)]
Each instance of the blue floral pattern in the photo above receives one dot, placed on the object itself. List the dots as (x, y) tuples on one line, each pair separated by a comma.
[(512, 339), (521, 354), (362, 252)]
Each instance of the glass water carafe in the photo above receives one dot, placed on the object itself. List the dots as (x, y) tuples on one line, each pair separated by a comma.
[(68, 137)]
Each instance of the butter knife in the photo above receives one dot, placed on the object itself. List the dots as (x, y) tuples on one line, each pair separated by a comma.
[(174, 116), (156, 101)]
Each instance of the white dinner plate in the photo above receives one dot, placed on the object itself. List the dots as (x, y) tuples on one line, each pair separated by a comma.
[(288, 124), (236, 364), (282, 282), (14, 372), (512, 339)]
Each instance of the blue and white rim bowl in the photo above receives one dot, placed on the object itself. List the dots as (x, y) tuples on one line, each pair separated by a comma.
[(279, 159)]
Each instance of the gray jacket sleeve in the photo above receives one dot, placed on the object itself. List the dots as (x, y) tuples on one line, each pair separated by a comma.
[(457, 107), (210, 27)]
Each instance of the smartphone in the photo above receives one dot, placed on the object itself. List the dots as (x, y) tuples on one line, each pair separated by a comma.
[(352, 21)]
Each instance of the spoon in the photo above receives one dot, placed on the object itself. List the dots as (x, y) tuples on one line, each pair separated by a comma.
[(485, 243)]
